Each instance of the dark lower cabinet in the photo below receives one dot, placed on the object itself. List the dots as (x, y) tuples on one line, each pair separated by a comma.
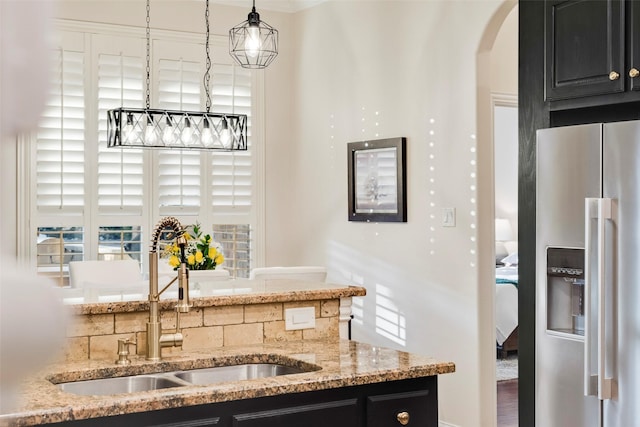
[(412, 402), (414, 408), (343, 413)]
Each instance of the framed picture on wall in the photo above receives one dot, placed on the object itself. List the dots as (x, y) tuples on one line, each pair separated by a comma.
[(377, 174)]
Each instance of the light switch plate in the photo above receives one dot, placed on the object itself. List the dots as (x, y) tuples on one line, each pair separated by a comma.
[(299, 318), (448, 217)]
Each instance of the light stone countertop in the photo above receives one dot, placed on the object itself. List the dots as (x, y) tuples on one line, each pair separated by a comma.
[(342, 362), (209, 294)]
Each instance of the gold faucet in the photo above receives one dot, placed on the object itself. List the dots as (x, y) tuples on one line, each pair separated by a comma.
[(156, 337)]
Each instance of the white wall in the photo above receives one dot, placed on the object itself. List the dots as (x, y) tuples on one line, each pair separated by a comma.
[(506, 164), (367, 70), (504, 56), (504, 88)]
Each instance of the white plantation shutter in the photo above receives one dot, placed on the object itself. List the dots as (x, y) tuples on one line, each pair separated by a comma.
[(98, 200), (231, 172), (120, 171), (60, 138), (179, 171)]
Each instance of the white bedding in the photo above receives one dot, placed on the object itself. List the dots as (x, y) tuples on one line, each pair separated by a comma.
[(506, 303)]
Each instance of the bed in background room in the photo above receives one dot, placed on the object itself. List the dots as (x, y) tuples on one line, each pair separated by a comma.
[(506, 305)]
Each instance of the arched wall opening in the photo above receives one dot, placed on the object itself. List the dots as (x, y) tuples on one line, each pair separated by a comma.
[(486, 211)]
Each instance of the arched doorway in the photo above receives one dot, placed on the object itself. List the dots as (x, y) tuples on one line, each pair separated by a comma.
[(492, 79)]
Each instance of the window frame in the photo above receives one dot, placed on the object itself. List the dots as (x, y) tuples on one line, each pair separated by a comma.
[(91, 219)]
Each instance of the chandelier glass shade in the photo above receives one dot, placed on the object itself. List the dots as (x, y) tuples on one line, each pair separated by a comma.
[(156, 128), (253, 43)]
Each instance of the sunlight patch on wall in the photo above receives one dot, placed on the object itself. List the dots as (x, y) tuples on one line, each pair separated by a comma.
[(380, 308), (390, 321)]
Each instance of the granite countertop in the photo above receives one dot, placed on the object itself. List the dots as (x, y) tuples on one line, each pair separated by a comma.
[(338, 363), (210, 294)]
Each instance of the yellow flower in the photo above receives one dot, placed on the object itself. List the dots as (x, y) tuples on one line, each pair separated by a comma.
[(212, 253), (200, 250)]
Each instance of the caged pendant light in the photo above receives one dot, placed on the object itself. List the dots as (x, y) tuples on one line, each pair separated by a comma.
[(253, 43), (154, 128)]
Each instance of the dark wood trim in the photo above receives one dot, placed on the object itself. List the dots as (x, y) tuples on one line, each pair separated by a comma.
[(533, 114)]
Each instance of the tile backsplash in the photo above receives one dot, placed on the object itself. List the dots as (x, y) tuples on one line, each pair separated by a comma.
[(95, 336)]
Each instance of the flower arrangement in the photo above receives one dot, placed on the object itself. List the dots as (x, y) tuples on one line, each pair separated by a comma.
[(202, 252)]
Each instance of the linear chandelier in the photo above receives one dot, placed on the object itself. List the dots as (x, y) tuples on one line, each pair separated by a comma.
[(253, 43), (157, 128)]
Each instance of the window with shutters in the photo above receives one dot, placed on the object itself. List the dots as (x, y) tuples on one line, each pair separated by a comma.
[(60, 138), (93, 202), (120, 172), (58, 165), (179, 171)]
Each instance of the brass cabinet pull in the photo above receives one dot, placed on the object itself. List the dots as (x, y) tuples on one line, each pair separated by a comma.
[(614, 76), (633, 73), (403, 418)]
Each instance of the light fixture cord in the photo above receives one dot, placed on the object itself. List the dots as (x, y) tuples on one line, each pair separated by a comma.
[(148, 54), (207, 77)]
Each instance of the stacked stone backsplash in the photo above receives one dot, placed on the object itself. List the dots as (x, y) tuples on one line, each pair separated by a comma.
[(95, 336)]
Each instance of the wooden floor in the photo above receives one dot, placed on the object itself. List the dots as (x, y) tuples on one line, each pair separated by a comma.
[(508, 403)]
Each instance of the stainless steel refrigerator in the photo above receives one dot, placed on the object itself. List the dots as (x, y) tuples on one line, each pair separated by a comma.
[(588, 276)]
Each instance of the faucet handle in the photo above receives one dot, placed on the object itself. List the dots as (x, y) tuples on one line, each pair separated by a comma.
[(123, 351)]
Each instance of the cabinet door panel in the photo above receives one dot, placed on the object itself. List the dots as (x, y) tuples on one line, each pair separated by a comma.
[(420, 408), (584, 43), (633, 43), (208, 422), (343, 413)]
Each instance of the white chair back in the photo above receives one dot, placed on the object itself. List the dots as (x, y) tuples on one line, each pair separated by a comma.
[(310, 273), (105, 274)]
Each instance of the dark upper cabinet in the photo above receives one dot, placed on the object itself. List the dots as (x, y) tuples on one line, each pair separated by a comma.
[(584, 48), (592, 52), (633, 44)]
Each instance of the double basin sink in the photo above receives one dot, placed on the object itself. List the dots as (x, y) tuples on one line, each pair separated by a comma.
[(202, 376)]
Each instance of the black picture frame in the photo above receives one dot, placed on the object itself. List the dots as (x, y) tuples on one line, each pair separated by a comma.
[(377, 180)]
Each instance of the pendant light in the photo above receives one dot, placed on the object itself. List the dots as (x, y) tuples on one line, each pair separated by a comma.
[(154, 128), (253, 43)]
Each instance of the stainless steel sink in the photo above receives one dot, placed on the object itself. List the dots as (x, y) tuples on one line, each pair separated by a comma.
[(235, 373), (203, 376), (132, 384)]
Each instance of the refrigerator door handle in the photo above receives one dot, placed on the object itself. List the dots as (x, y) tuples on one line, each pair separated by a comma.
[(590, 381), (604, 384)]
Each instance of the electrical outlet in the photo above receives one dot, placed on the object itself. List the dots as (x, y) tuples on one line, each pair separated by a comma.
[(299, 318)]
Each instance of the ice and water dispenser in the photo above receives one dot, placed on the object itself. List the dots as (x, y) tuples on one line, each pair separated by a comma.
[(565, 290)]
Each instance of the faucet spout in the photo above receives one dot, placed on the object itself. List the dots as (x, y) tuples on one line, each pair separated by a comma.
[(156, 339)]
